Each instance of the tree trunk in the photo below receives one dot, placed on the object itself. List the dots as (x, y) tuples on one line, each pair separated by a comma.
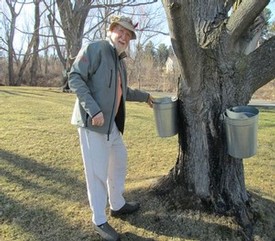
[(205, 176), (10, 44), (25, 62), (33, 69), (10, 61), (217, 75)]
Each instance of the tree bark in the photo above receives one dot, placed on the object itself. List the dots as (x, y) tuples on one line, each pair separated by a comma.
[(34, 65), (216, 76), (10, 39), (25, 62)]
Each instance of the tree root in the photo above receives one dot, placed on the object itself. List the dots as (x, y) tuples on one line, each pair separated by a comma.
[(245, 219), (175, 197)]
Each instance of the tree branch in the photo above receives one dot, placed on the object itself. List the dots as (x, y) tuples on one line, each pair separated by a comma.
[(244, 17), (62, 59), (261, 65), (128, 3)]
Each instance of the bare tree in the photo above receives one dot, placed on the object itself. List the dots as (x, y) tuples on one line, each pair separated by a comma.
[(75, 22), (218, 73), (10, 38), (28, 46), (73, 16), (34, 65), (31, 51)]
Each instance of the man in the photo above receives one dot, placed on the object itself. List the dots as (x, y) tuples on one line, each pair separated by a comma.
[(99, 79)]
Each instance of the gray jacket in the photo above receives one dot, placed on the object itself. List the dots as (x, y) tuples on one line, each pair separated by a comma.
[(93, 77)]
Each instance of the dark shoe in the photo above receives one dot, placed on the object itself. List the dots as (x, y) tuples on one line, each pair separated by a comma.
[(107, 232), (128, 208)]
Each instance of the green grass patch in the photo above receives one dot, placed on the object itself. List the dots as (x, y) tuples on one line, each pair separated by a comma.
[(42, 185)]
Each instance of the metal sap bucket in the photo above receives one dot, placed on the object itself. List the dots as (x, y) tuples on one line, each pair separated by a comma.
[(165, 112), (241, 127)]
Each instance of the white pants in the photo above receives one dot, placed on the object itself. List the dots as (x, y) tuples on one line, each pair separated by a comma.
[(105, 170)]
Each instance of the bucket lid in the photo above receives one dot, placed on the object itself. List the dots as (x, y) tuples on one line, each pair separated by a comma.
[(241, 112), (164, 100)]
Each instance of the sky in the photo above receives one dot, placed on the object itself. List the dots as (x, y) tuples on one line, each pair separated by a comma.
[(271, 6)]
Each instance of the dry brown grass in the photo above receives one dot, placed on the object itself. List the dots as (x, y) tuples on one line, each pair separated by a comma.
[(267, 92)]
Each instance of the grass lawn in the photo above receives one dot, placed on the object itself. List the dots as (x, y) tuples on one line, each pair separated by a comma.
[(42, 185)]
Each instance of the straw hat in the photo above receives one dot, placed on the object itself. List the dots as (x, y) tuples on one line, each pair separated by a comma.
[(125, 22)]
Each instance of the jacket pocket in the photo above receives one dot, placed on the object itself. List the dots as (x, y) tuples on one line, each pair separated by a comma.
[(88, 120), (110, 80)]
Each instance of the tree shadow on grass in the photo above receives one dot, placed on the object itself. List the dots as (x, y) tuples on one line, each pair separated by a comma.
[(264, 209), (19, 91), (133, 237), (188, 224), (39, 223), (72, 188), (26, 216)]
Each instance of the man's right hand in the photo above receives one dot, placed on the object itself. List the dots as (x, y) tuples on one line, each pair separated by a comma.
[(98, 120)]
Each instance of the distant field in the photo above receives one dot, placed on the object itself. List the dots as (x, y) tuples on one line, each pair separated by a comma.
[(42, 186), (267, 92)]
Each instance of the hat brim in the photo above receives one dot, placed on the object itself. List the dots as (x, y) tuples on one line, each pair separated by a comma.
[(124, 25)]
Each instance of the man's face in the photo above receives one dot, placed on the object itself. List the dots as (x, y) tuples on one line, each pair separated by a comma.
[(121, 38)]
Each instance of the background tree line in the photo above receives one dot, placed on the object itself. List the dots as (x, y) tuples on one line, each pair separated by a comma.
[(52, 32)]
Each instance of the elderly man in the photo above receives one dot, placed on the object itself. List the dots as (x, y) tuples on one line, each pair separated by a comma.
[(98, 77)]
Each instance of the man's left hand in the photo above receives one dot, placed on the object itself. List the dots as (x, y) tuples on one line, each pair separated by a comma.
[(150, 101)]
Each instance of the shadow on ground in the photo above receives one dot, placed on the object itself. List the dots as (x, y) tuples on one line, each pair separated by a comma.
[(152, 223), (34, 221), (189, 225)]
